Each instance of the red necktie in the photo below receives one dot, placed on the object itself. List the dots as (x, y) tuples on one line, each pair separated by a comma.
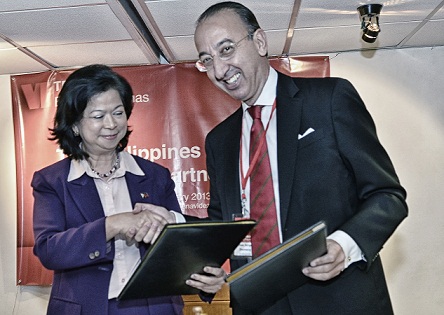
[(262, 203)]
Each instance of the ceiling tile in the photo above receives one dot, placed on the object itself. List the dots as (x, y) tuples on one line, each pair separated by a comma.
[(19, 5), (21, 63), (429, 35), (110, 53), (183, 47), (72, 33), (317, 13), (270, 14), (5, 45), (62, 26), (439, 15)]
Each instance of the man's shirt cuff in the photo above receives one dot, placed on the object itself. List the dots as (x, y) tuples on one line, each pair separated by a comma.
[(351, 250)]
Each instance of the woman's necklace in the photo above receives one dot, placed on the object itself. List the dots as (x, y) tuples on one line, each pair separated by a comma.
[(110, 172)]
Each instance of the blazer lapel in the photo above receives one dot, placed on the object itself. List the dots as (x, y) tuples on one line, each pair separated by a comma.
[(289, 112), (85, 195), (134, 183)]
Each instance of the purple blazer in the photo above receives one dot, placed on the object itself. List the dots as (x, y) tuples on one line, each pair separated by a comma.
[(70, 238)]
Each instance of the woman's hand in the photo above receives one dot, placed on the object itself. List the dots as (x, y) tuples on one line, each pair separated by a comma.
[(158, 210), (144, 223), (152, 221)]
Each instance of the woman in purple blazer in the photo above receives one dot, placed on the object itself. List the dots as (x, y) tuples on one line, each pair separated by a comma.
[(91, 223)]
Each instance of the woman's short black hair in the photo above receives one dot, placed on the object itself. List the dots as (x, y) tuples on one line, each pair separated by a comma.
[(245, 14), (76, 92)]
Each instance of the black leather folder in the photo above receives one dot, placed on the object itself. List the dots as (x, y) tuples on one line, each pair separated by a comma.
[(181, 250), (274, 274)]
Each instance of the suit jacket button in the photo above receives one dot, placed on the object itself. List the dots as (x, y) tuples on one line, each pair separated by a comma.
[(92, 256), (96, 253)]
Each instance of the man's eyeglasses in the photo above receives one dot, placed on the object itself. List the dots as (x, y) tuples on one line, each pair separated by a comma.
[(226, 52)]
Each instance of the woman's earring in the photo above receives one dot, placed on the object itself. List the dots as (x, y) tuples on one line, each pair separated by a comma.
[(76, 133)]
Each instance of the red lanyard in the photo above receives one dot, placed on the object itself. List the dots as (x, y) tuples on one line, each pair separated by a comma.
[(244, 179)]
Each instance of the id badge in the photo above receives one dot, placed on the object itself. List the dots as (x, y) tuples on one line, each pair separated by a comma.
[(244, 249)]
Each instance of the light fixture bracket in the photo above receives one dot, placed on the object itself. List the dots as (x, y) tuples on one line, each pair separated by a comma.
[(369, 14)]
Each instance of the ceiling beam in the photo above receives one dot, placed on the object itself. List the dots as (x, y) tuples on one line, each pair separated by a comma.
[(154, 29), (420, 25), (291, 25), (140, 36), (29, 53)]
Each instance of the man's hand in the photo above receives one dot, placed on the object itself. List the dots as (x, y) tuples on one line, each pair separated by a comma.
[(157, 210), (143, 224), (150, 222), (210, 283), (328, 266)]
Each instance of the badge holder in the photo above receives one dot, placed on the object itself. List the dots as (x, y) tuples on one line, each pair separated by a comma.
[(244, 249)]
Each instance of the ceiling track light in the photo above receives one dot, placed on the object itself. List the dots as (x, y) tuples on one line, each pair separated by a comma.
[(370, 21)]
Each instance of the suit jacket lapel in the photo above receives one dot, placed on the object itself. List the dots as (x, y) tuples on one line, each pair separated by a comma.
[(289, 112), (231, 163)]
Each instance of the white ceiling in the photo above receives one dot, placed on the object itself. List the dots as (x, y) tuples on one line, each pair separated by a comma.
[(43, 35)]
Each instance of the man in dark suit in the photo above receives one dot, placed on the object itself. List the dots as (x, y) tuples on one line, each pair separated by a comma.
[(326, 161)]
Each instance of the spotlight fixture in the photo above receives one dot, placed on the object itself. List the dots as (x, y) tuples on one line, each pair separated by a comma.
[(370, 21)]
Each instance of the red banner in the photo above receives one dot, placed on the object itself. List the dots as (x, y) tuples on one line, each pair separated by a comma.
[(175, 106)]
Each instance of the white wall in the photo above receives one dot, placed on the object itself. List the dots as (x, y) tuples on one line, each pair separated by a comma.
[(23, 300), (403, 90)]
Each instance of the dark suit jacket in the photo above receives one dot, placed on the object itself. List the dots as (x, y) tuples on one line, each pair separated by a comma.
[(340, 173), (69, 231)]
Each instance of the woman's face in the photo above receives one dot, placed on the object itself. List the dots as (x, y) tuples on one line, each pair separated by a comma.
[(104, 123)]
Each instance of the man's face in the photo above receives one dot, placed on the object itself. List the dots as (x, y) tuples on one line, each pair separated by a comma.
[(245, 72)]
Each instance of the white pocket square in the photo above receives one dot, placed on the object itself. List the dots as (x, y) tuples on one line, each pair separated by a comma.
[(306, 133)]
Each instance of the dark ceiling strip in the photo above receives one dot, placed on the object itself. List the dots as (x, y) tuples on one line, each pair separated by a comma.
[(130, 19), (420, 25), (291, 25), (29, 53), (153, 28)]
